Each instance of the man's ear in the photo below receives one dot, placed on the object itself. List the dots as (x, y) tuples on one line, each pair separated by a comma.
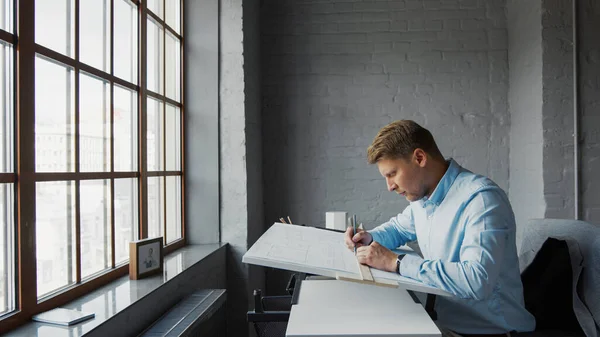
[(420, 157)]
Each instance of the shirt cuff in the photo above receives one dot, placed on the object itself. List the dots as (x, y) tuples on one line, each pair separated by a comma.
[(410, 266), (375, 236)]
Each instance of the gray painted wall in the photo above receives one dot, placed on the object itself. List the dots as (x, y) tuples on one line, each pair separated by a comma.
[(541, 100), (254, 161), (557, 122), (253, 99), (202, 164), (525, 100), (201, 98), (233, 192), (240, 146), (557, 21), (334, 73), (589, 83)]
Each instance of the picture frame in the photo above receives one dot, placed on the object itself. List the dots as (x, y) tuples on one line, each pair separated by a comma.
[(145, 257)]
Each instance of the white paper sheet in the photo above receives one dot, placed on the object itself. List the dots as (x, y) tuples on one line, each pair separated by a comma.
[(320, 252), (310, 247)]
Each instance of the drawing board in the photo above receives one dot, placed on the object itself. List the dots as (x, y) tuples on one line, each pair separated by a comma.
[(320, 252)]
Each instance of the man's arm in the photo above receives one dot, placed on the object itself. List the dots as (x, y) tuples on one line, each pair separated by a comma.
[(489, 222), (396, 232)]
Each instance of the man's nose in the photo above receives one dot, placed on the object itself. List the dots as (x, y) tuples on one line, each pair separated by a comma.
[(390, 185)]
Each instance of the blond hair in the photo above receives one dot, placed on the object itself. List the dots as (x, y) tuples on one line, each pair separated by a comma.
[(399, 139)]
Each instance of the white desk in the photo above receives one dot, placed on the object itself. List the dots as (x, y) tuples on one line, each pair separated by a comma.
[(328, 308)]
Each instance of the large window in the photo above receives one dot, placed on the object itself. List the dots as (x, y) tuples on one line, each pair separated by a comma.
[(90, 142), (163, 118)]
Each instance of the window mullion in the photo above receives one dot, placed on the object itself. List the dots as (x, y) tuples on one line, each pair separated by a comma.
[(143, 106), (8, 37), (26, 200), (112, 135), (77, 154), (164, 120), (182, 120)]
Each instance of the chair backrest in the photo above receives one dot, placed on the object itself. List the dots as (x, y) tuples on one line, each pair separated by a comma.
[(587, 236)]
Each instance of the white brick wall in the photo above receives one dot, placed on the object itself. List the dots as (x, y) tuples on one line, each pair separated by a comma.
[(541, 98), (237, 123), (334, 72), (558, 118), (525, 98), (590, 105)]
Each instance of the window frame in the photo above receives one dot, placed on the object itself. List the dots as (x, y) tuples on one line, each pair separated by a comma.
[(25, 176)]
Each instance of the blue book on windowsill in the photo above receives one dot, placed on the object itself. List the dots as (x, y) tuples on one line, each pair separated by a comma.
[(63, 316)]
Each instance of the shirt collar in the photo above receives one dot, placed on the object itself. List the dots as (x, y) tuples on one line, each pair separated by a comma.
[(442, 188)]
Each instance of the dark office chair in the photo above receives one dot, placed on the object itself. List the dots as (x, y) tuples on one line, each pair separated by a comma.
[(559, 260), (272, 313)]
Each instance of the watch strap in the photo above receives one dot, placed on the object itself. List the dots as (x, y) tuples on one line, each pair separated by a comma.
[(398, 261)]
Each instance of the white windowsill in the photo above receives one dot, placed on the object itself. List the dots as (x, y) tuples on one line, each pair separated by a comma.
[(115, 297)]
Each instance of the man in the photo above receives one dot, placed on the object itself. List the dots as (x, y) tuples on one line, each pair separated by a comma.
[(465, 228), (150, 261)]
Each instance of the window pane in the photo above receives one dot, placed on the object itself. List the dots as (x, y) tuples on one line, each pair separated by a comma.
[(173, 208), (155, 69), (173, 14), (94, 125), (54, 117), (95, 228), (7, 249), (7, 112), (126, 217), (54, 25), (156, 206), (126, 41), (55, 235), (154, 135), (173, 67), (6, 15), (156, 6), (126, 129), (94, 33), (173, 133)]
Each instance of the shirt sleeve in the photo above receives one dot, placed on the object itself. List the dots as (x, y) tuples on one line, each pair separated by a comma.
[(397, 231), (488, 223)]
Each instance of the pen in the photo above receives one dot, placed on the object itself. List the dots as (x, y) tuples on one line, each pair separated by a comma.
[(355, 228)]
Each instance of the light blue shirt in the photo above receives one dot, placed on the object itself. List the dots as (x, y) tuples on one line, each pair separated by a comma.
[(466, 232)]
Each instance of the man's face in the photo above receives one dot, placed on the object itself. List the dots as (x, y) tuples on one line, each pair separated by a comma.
[(403, 176)]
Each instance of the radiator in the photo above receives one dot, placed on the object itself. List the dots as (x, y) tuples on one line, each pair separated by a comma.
[(199, 314)]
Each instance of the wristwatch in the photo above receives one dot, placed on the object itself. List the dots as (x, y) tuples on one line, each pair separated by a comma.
[(398, 259)]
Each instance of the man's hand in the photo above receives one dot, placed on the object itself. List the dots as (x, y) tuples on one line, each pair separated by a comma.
[(362, 238), (377, 256)]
